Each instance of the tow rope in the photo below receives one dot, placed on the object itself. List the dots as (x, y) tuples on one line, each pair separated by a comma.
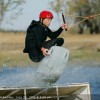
[(83, 19)]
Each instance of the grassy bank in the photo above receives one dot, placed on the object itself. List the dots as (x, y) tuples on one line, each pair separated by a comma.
[(82, 48)]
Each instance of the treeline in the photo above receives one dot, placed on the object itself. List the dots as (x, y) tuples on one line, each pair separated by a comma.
[(80, 9), (12, 31), (10, 9)]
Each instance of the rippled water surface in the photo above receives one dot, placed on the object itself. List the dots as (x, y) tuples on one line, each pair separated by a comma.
[(74, 73)]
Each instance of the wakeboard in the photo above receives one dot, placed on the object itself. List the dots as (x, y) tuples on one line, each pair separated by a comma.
[(52, 66)]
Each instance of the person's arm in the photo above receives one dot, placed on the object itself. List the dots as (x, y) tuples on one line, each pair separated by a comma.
[(38, 31), (38, 35), (55, 34)]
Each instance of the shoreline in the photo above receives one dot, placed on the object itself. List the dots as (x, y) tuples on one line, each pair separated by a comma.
[(83, 48)]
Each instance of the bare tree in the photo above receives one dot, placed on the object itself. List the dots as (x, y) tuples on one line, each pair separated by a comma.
[(57, 6), (13, 6), (77, 8), (86, 8)]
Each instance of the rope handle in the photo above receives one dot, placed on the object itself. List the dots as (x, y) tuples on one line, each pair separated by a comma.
[(64, 20)]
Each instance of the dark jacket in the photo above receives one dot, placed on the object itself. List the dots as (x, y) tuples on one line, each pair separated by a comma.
[(37, 34)]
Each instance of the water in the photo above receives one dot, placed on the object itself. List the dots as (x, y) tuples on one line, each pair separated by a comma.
[(74, 73), (83, 73), (16, 77)]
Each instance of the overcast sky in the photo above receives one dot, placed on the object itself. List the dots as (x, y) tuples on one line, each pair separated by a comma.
[(31, 10)]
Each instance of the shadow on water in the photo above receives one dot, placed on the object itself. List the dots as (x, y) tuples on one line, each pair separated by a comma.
[(74, 73)]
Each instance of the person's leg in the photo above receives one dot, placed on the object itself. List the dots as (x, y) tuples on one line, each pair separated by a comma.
[(36, 59), (36, 55), (58, 41)]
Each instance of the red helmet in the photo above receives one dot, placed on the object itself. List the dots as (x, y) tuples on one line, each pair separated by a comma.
[(46, 14)]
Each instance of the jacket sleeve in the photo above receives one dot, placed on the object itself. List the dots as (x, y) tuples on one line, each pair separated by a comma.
[(38, 31), (55, 34)]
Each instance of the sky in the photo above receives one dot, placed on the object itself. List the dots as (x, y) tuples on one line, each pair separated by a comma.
[(31, 11)]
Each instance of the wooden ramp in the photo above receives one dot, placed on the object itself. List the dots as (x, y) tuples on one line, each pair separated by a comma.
[(57, 92)]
